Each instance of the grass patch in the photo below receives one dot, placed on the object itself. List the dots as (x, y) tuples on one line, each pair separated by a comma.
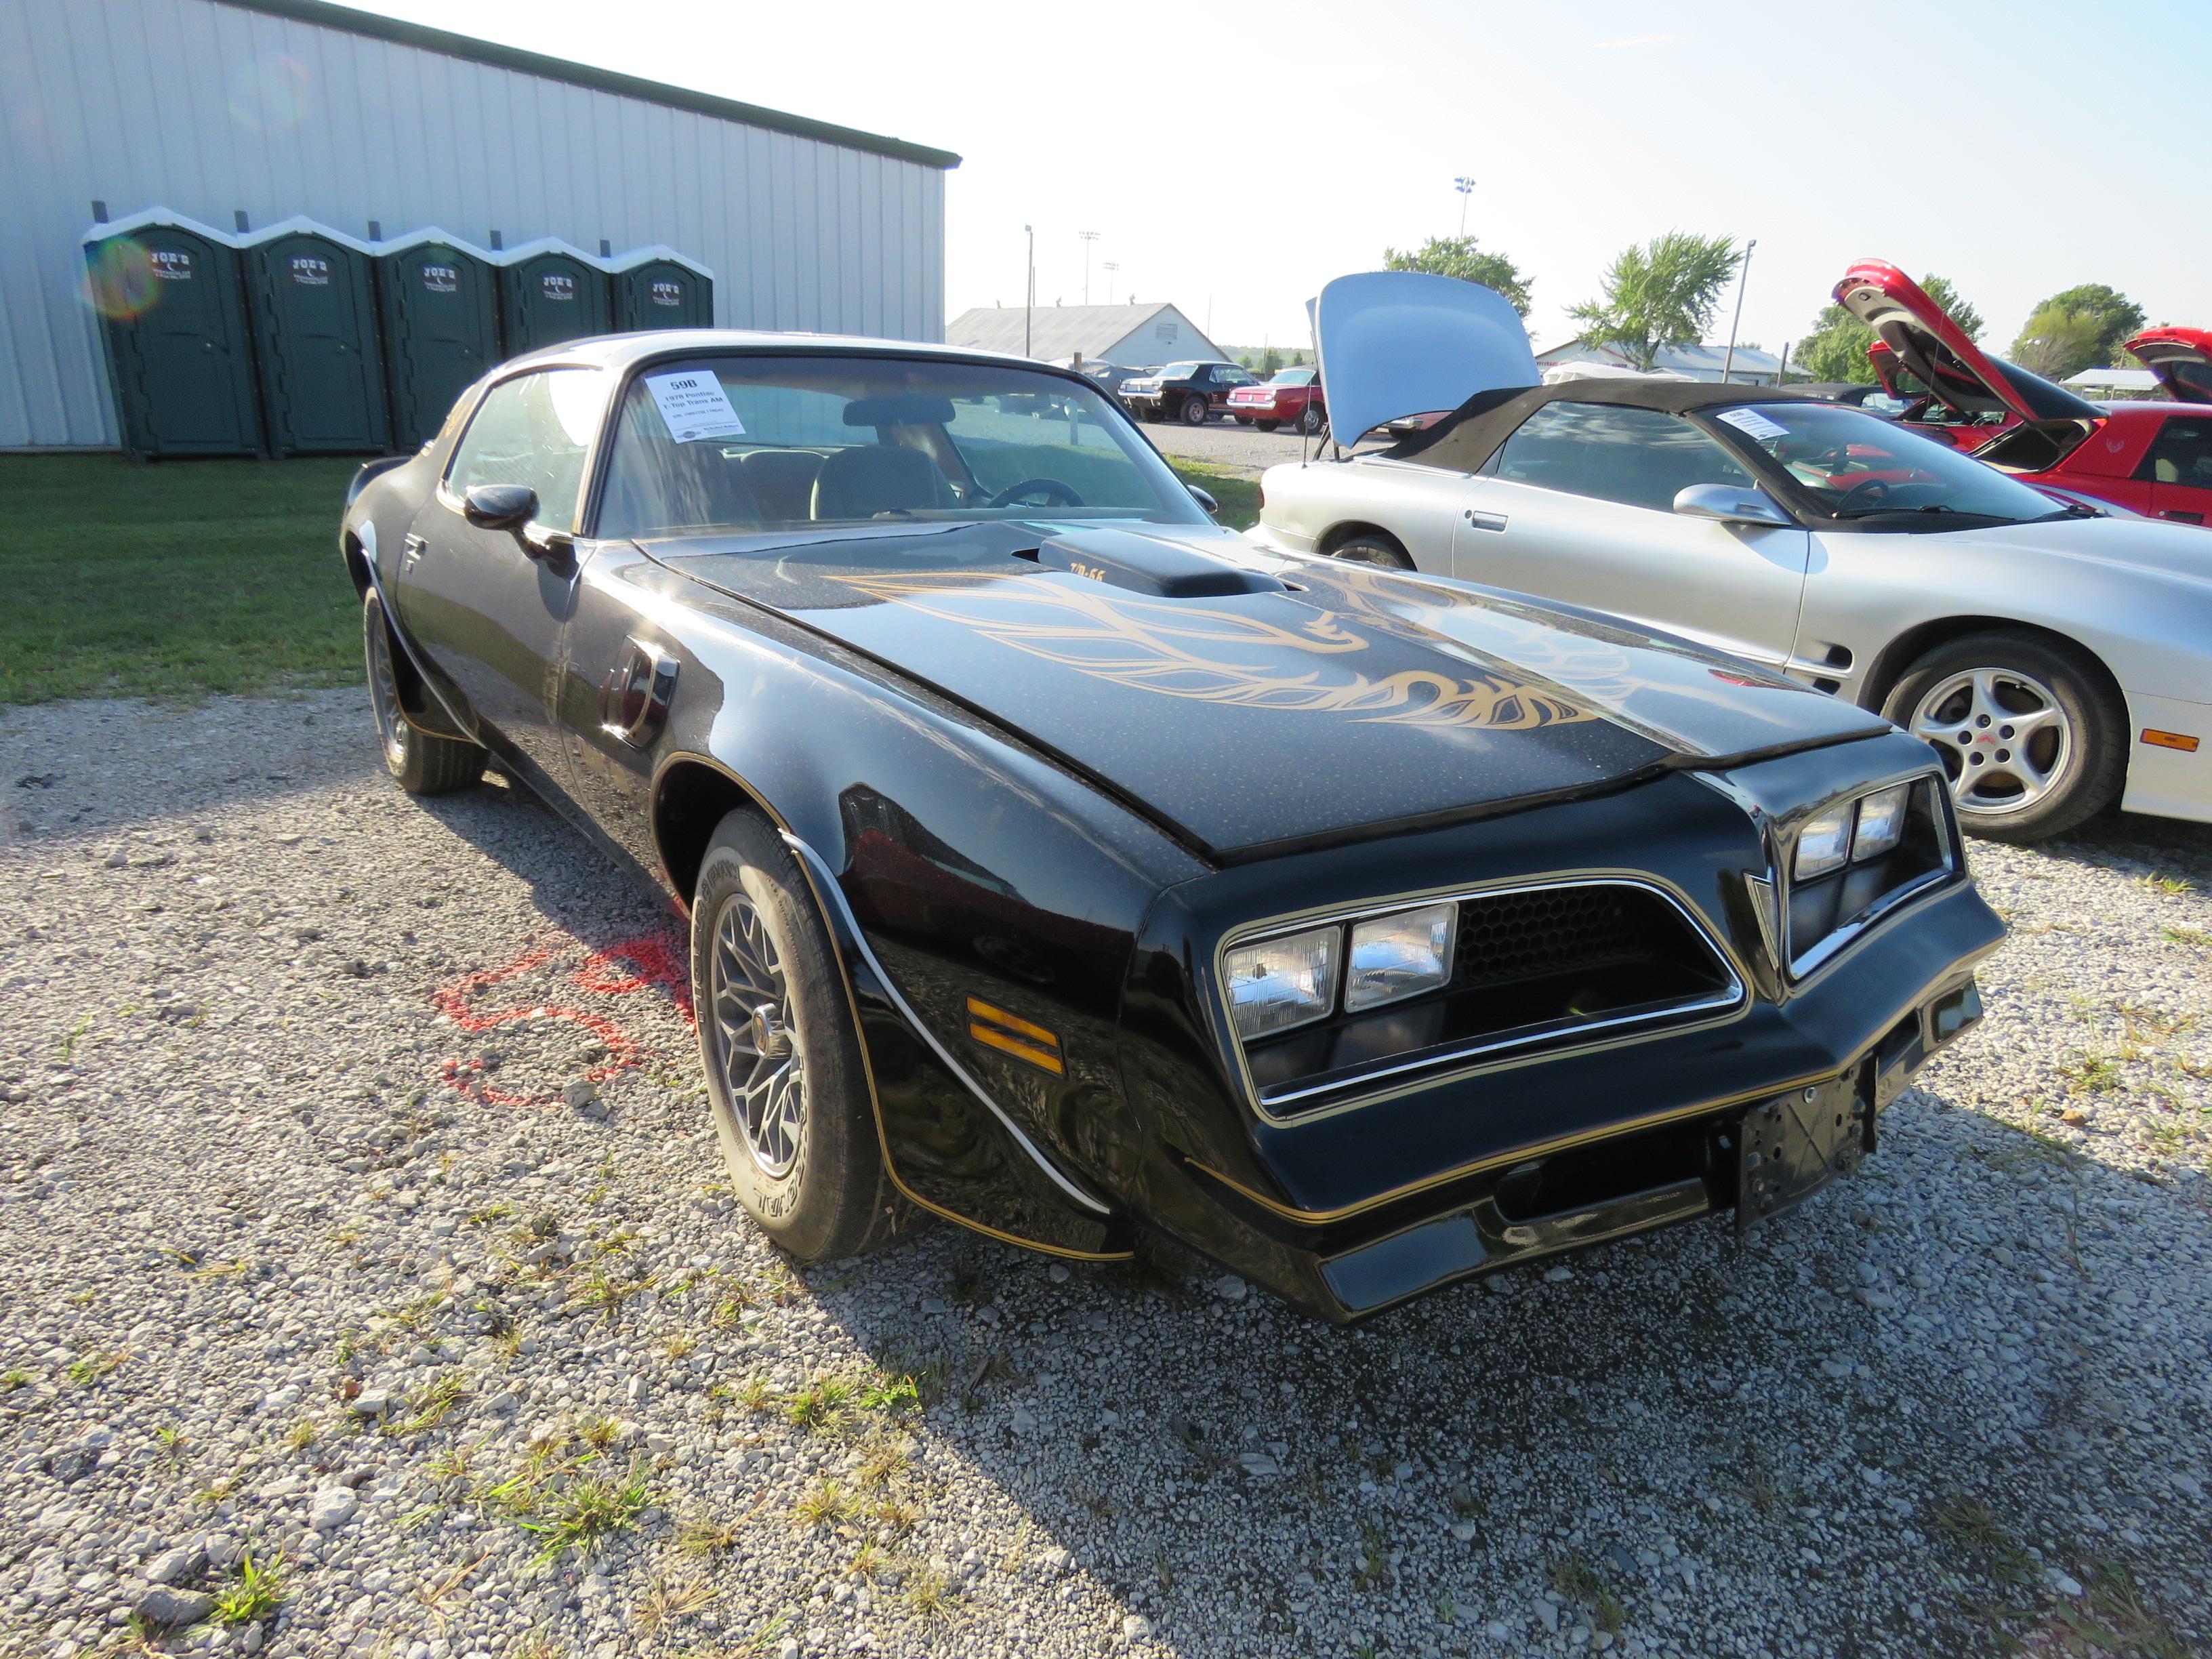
[(1581, 1584), (1238, 495), (257, 1592), (185, 578), (588, 1511)]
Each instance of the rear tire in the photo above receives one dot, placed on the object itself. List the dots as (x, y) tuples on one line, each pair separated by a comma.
[(2032, 735), (1267, 425), (421, 762), (1310, 420), (1195, 412), (786, 1083), (1377, 551)]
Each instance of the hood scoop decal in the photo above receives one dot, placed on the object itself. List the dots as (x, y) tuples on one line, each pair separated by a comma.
[(1146, 564)]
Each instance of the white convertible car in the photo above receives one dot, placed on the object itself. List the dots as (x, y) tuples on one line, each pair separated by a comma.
[(2057, 657)]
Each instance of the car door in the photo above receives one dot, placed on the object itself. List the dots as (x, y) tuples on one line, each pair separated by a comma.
[(1577, 504), (488, 606), (2178, 468)]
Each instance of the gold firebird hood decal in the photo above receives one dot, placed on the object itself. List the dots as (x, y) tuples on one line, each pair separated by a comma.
[(1179, 649)]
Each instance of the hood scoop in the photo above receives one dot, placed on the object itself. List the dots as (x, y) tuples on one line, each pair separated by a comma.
[(1143, 564)]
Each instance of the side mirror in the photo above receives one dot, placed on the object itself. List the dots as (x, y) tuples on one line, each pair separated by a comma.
[(499, 507), (1204, 499), (1732, 504)]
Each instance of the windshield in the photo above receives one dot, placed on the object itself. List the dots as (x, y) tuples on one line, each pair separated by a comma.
[(748, 443), (1846, 464), (1293, 377), (1178, 371)]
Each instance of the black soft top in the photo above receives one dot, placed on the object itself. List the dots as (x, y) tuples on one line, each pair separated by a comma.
[(1464, 439)]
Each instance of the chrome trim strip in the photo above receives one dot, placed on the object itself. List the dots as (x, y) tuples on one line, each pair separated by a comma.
[(1735, 996), (828, 883)]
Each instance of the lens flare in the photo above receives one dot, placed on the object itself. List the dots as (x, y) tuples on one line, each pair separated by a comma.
[(119, 281), (268, 93)]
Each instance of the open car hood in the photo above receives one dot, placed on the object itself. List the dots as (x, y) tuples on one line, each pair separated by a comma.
[(1940, 355), (1396, 343), (1248, 700), (2182, 359)]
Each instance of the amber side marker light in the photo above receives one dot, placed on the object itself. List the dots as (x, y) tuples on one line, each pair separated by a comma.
[(2180, 740), (1011, 1034)]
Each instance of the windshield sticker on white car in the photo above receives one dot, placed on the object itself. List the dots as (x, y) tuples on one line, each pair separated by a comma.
[(1750, 421), (695, 406)]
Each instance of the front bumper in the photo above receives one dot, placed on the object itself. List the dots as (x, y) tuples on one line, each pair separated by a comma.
[(2170, 781), (1651, 1144)]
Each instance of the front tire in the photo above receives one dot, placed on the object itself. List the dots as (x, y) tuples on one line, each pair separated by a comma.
[(1195, 411), (2032, 735), (421, 762), (785, 1080)]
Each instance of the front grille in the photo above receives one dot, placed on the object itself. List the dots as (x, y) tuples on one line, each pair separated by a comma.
[(1540, 932)]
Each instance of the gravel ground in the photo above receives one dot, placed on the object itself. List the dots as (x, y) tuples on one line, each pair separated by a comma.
[(367, 1285)]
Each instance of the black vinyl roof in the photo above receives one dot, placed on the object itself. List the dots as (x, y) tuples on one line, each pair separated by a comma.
[(470, 49), (1463, 441)]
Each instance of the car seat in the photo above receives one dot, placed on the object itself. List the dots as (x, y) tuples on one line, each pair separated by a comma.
[(869, 479), (782, 480)]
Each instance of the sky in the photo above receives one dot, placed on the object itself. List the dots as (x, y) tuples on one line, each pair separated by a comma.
[(1234, 156)]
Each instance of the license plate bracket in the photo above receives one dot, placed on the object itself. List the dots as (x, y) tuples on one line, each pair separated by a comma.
[(1790, 1146)]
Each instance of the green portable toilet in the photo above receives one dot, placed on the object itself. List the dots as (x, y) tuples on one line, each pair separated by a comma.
[(549, 292), (314, 302), (172, 301), (438, 303), (657, 287)]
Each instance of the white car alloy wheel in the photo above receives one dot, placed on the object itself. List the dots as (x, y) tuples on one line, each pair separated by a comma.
[(2005, 740), (758, 1044)]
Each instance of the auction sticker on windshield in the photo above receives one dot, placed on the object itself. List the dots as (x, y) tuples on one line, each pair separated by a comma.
[(695, 406), (1750, 421)]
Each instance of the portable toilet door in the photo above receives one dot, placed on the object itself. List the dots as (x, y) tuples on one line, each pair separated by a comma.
[(171, 302), (657, 287), (438, 303), (314, 316), (549, 292)]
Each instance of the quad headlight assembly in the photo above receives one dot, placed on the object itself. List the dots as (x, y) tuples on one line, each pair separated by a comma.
[(1854, 859)]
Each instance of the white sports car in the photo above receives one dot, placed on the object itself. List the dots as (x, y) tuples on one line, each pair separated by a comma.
[(2056, 657)]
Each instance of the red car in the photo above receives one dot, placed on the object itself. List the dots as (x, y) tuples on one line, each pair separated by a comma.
[(2152, 457), (1292, 398), (2182, 359)]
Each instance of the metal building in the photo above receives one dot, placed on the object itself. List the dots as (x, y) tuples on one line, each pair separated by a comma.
[(245, 112)]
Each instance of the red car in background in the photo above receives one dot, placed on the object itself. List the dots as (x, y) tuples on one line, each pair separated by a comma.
[(1291, 398), (2154, 459), (2182, 359)]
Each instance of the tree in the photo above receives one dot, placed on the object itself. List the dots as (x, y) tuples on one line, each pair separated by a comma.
[(2059, 341), (1457, 256), (1660, 294), (1270, 361), (1969, 320), (2113, 315), (1836, 349)]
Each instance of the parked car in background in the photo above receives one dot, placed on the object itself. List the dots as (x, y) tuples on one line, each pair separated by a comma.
[(1107, 377), (1291, 398), (1193, 393), (2182, 359), (2153, 457), (1874, 397), (1063, 863), (2056, 659)]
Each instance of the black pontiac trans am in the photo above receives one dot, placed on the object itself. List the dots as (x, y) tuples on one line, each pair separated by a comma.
[(1062, 864)]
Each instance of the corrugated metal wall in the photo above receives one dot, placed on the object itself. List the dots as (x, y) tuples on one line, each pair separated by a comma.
[(205, 108)]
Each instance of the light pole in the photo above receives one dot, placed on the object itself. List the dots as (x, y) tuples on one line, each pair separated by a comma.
[(1465, 187), (1110, 266), (1089, 237), (1743, 280), (1029, 292)]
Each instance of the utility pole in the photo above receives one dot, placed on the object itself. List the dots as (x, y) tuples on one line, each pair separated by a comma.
[(1089, 237), (1110, 266), (1465, 187), (1743, 281), (1029, 293)]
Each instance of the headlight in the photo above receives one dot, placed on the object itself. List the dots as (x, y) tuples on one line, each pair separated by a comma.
[(1399, 956), (1825, 842), (1881, 822), (1278, 983)]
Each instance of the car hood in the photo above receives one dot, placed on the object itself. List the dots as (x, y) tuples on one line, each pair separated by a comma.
[(1248, 700), (1937, 351), (2182, 359), (1394, 343), (2180, 552)]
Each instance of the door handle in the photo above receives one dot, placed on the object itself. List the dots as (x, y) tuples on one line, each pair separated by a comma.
[(634, 698), (1483, 521)]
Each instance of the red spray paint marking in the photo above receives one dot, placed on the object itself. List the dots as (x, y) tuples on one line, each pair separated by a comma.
[(647, 961)]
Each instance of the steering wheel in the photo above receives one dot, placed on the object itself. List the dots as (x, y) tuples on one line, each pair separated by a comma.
[(1055, 493), (1874, 491)]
